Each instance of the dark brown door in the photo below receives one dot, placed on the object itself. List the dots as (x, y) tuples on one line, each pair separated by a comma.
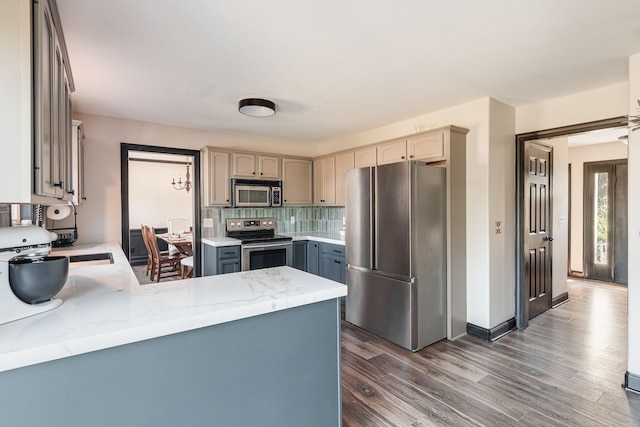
[(537, 222), (605, 219)]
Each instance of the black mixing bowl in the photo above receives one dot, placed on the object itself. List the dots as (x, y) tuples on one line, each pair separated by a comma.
[(37, 280)]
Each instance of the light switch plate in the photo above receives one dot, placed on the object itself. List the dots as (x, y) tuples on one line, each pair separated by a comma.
[(207, 222)]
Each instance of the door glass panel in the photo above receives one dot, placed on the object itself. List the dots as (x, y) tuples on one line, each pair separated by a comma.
[(601, 215)]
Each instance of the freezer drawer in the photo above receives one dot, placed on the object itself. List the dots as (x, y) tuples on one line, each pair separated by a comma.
[(381, 306)]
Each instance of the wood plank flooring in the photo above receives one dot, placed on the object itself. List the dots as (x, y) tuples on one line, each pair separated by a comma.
[(566, 369)]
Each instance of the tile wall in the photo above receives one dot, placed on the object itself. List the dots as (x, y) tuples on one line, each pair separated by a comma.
[(307, 218)]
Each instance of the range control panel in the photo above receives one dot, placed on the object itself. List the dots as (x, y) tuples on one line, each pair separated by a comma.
[(251, 224)]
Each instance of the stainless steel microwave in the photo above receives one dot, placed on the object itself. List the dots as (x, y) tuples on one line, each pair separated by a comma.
[(255, 194)]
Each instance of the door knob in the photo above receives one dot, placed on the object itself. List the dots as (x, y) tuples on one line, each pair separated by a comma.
[(547, 239)]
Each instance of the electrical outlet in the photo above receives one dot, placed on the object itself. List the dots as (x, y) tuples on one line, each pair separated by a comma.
[(293, 220), (207, 222)]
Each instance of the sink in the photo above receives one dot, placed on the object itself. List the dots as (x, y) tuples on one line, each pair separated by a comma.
[(91, 259)]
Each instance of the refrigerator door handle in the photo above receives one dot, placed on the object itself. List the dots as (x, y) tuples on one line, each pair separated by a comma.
[(373, 218)]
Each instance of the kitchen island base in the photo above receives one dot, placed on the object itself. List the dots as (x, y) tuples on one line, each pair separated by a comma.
[(277, 369)]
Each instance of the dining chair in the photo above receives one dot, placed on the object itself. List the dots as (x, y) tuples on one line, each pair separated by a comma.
[(177, 226), (145, 239), (163, 265), (186, 267)]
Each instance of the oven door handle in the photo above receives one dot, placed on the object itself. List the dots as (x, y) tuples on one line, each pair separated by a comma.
[(266, 245)]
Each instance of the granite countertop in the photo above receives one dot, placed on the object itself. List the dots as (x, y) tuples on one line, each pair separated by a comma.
[(104, 306), (334, 238)]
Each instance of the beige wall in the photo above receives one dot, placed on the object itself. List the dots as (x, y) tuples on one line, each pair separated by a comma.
[(577, 157), (152, 199)]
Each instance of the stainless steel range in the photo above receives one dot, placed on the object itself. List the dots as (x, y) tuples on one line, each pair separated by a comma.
[(261, 247)]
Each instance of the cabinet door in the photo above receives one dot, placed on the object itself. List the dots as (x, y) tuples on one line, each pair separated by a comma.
[(217, 184), (300, 255), (296, 182), (428, 147), (226, 266), (313, 253), (244, 165), (365, 157), (77, 162), (332, 268), (392, 152), (45, 125), (324, 184), (344, 162), (269, 167)]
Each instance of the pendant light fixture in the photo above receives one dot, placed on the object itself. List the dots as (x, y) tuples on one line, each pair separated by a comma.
[(256, 107)]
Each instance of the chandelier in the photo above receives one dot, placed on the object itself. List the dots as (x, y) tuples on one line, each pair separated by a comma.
[(180, 185)]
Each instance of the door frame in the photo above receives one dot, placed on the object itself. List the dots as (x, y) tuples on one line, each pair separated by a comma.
[(124, 194), (522, 308)]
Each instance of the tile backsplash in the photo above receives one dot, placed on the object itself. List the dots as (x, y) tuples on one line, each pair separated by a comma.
[(307, 218)]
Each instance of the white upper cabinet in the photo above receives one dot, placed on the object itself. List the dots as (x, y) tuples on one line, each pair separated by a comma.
[(296, 182), (426, 147), (392, 152), (216, 185), (365, 157), (35, 107), (248, 165), (324, 181)]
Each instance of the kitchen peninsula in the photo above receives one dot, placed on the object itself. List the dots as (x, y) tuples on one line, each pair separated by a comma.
[(255, 348)]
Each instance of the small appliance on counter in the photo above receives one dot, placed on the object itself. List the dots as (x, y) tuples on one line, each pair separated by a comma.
[(29, 278), (66, 236)]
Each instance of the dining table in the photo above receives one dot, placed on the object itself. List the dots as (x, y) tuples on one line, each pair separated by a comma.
[(182, 242)]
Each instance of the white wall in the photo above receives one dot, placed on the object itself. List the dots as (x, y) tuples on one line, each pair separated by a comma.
[(578, 156), (597, 104), (502, 187), (634, 221), (99, 216), (560, 216), (152, 199)]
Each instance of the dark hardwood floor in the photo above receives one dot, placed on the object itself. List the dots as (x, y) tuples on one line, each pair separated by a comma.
[(566, 369)]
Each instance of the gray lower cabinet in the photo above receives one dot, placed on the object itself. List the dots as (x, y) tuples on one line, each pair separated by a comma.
[(278, 369), (331, 262), (321, 259), (220, 260)]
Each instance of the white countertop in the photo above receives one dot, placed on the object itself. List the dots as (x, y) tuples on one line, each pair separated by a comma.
[(220, 241), (104, 306), (333, 238)]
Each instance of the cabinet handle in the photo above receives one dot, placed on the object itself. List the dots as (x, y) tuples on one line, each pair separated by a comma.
[(336, 261), (260, 173), (402, 157), (411, 156), (337, 251), (253, 173)]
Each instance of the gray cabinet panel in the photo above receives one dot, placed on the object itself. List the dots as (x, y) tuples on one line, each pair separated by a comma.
[(313, 252), (220, 260), (300, 255)]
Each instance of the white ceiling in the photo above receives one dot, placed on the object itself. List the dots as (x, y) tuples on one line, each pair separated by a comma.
[(336, 67)]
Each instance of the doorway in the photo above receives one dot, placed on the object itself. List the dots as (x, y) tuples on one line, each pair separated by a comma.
[(126, 151), (605, 221), (522, 228)]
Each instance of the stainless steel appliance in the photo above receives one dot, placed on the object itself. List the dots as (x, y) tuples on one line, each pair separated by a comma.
[(396, 252), (28, 277), (261, 247), (255, 193)]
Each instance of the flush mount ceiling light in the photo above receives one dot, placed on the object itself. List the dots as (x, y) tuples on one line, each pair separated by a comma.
[(256, 107)]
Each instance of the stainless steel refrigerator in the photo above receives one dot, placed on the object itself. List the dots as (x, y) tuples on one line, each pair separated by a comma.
[(396, 252)]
